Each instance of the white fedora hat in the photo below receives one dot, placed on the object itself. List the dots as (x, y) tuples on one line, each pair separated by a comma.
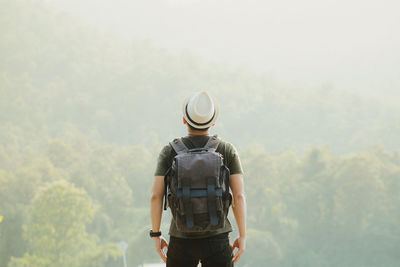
[(200, 110)]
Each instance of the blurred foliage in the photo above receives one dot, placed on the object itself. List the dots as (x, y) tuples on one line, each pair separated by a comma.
[(83, 115), (56, 231), (316, 209), (59, 77)]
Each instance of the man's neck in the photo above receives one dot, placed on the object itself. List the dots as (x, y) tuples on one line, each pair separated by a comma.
[(197, 133)]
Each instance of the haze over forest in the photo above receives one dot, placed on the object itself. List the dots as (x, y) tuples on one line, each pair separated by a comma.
[(351, 44), (90, 91)]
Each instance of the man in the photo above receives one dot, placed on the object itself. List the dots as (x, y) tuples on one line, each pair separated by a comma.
[(212, 248)]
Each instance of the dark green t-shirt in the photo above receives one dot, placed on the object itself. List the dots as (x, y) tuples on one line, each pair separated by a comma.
[(231, 160)]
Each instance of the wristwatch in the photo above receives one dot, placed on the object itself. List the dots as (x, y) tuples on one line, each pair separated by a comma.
[(154, 234)]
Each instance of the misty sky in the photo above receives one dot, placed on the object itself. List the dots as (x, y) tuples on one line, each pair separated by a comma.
[(352, 44)]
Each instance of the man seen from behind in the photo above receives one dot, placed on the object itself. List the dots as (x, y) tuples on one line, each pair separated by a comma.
[(200, 177)]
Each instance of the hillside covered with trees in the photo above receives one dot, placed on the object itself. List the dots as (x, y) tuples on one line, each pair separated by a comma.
[(84, 113)]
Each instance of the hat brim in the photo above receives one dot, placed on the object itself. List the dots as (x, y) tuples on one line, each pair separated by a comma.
[(194, 124)]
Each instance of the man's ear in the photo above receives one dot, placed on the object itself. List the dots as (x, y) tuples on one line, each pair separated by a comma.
[(184, 120)]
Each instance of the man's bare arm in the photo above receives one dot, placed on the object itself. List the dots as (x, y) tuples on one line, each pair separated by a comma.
[(156, 203), (239, 211)]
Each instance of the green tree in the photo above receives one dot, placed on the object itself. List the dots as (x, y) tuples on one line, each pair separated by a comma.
[(56, 232)]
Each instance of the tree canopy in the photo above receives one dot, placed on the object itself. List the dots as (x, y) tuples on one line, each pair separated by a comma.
[(83, 115)]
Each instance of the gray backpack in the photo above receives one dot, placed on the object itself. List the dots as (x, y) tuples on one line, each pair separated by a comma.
[(197, 187)]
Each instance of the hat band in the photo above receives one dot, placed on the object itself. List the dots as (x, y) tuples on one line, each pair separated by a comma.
[(200, 124)]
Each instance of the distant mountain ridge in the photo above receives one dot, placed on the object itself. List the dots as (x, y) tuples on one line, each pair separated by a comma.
[(58, 74)]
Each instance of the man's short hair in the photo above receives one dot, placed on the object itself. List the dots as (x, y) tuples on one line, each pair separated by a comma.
[(196, 129)]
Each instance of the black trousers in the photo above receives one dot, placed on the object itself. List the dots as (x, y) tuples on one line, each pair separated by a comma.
[(213, 251)]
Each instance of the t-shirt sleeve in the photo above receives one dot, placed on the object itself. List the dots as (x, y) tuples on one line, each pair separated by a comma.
[(163, 162), (234, 164)]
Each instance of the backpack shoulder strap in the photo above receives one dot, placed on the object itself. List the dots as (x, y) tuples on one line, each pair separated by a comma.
[(179, 146), (212, 143)]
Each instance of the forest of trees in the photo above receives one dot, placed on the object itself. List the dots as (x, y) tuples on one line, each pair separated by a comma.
[(84, 114)]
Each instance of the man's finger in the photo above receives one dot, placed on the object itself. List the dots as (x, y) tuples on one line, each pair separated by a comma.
[(234, 247), (236, 258), (162, 255), (164, 243), (237, 255)]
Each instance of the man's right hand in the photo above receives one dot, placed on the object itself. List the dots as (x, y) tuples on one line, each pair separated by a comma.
[(160, 244)]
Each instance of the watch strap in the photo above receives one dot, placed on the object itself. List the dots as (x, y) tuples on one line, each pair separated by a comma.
[(154, 234)]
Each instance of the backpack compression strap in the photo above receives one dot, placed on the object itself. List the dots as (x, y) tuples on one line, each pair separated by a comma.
[(212, 143), (166, 187), (178, 146)]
